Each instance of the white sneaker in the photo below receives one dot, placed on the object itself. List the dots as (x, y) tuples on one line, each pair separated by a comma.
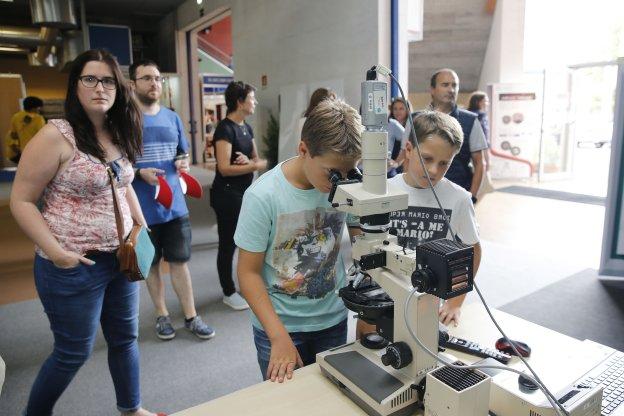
[(236, 302)]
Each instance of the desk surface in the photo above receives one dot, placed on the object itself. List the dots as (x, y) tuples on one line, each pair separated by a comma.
[(310, 393)]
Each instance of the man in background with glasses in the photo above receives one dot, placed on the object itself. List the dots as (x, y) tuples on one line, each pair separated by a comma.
[(165, 153)]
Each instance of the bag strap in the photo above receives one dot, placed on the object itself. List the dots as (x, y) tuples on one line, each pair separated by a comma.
[(118, 214)]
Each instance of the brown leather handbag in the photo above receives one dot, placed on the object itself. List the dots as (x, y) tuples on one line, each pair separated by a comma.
[(136, 252)]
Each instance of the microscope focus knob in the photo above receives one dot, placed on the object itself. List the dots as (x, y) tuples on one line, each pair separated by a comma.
[(398, 355), (423, 280)]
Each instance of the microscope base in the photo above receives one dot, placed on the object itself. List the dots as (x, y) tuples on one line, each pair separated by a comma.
[(378, 390)]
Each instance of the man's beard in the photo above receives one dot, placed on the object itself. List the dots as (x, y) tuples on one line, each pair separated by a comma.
[(146, 100)]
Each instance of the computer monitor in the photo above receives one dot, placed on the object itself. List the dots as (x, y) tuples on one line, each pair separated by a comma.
[(612, 259)]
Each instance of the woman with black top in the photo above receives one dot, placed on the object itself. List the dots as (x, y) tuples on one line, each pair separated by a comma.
[(399, 111), (237, 160), (478, 104)]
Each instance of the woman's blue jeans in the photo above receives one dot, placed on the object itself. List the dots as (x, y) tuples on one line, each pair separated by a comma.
[(77, 300)]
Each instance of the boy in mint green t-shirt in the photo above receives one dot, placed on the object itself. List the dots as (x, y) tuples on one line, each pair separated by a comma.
[(288, 235)]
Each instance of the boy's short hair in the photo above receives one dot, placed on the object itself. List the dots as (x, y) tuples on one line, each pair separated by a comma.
[(435, 123), (31, 102), (333, 126)]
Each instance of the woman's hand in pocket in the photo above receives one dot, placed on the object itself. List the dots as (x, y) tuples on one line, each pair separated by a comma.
[(70, 259)]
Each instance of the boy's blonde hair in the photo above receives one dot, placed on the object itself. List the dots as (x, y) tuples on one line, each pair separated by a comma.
[(435, 123), (333, 126)]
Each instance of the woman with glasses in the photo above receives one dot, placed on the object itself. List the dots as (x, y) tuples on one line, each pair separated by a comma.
[(76, 269)]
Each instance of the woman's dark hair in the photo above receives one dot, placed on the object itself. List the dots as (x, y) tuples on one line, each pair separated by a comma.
[(319, 95), (398, 100), (124, 119), (236, 91), (475, 99)]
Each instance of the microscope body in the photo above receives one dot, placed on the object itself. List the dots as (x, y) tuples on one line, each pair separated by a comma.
[(384, 381), (390, 379)]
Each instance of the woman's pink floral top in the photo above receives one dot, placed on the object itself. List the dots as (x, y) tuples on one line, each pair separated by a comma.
[(78, 202)]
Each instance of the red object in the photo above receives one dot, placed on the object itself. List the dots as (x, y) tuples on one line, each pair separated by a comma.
[(164, 195), (190, 185), (509, 157), (504, 346)]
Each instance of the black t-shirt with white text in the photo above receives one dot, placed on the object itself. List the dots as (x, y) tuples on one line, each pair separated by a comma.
[(423, 221)]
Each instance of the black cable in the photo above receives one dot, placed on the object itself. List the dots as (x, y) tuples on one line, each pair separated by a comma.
[(446, 220)]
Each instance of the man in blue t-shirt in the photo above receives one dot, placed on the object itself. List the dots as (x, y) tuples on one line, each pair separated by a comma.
[(165, 153)]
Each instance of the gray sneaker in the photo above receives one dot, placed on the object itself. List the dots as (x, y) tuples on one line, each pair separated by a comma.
[(199, 328), (236, 302), (164, 329)]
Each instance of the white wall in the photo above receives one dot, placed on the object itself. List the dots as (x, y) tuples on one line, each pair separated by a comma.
[(504, 56), (299, 41)]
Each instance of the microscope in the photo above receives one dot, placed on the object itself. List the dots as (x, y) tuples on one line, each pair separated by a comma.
[(387, 372)]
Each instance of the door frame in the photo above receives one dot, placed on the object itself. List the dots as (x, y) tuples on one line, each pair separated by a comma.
[(186, 57)]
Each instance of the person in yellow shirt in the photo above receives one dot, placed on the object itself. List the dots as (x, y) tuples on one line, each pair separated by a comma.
[(24, 125)]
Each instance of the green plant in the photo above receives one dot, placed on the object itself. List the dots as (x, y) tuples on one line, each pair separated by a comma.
[(271, 141)]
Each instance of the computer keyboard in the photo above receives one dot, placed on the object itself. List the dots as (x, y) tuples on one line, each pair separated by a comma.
[(610, 375)]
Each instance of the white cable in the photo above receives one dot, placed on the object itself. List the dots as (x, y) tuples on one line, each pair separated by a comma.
[(558, 407), (469, 367), (383, 70)]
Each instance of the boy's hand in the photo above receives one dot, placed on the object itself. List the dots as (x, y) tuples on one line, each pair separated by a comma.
[(284, 359), (450, 312)]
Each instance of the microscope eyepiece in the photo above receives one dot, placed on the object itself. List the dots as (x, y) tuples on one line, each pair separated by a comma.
[(334, 176)]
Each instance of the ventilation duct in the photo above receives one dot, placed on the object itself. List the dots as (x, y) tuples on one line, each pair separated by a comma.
[(47, 35), (73, 46), (24, 36), (14, 50), (53, 13), (50, 60)]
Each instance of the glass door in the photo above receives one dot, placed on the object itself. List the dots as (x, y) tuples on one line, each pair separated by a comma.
[(556, 149), (593, 91)]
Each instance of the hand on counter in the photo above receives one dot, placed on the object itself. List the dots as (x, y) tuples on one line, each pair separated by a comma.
[(284, 359)]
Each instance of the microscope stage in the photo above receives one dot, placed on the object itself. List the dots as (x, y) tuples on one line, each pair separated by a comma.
[(378, 390)]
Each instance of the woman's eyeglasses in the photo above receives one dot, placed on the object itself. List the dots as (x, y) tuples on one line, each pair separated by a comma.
[(90, 81)]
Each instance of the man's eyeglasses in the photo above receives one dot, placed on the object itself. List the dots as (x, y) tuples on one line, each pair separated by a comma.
[(90, 81), (149, 78)]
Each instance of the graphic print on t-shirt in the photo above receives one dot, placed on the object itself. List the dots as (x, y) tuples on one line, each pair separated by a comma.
[(417, 225), (307, 245)]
